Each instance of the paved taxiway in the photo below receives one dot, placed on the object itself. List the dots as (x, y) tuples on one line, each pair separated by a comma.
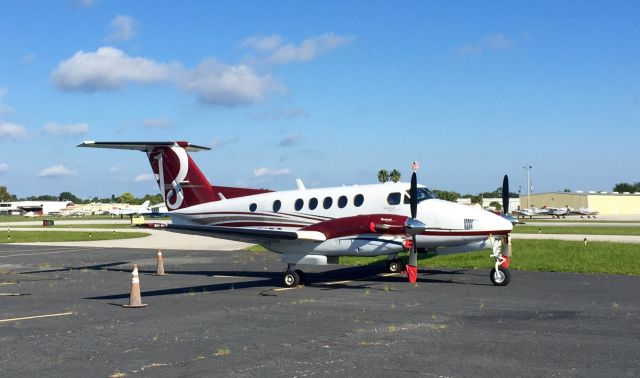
[(222, 314)]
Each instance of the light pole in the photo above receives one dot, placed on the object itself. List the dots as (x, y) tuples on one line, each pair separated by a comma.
[(528, 168)]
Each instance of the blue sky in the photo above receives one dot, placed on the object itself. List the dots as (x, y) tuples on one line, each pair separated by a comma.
[(328, 91)]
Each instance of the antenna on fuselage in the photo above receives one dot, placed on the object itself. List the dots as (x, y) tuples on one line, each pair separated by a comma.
[(300, 184)]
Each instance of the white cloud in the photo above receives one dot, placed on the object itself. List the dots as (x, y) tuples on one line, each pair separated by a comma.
[(107, 69), (290, 140), (216, 83), (493, 42), (4, 167), (280, 114), (219, 143), (144, 177), (4, 109), (52, 128), (29, 58), (264, 171), (280, 53), (122, 28), (114, 169), (11, 130), (263, 43), (55, 172), (159, 123), (498, 41)]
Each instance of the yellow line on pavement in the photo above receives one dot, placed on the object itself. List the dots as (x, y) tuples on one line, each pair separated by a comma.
[(285, 288), (336, 283), (35, 317)]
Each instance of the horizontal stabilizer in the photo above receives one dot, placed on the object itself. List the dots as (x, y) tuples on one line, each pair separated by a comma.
[(142, 146)]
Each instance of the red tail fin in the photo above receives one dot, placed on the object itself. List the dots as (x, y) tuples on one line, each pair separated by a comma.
[(181, 182)]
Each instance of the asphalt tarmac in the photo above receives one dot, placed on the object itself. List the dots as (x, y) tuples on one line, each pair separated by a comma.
[(222, 313)]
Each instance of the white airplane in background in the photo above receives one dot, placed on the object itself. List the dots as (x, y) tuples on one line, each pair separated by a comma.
[(135, 210), (557, 212), (532, 212), (585, 212), (316, 226)]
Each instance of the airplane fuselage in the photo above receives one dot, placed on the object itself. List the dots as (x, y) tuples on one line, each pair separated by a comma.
[(386, 205)]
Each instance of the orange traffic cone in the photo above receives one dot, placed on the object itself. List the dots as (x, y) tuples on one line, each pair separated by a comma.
[(159, 264), (135, 300)]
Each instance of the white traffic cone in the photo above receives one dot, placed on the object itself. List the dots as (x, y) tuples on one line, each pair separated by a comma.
[(135, 300), (159, 264)]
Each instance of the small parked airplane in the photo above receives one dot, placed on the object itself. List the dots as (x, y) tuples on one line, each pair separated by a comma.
[(316, 226), (532, 212), (557, 212), (134, 210), (584, 212)]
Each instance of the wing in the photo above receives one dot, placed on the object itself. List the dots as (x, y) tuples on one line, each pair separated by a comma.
[(333, 228), (247, 235)]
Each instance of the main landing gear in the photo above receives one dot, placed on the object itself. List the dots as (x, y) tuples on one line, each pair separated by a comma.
[(395, 266), (292, 277), (500, 274)]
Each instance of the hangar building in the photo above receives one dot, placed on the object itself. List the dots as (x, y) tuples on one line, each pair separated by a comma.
[(34, 207), (606, 203)]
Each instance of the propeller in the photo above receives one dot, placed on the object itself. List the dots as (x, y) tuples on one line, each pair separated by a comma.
[(505, 201), (413, 226), (505, 195)]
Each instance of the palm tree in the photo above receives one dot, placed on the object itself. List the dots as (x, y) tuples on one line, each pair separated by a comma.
[(395, 175), (383, 175)]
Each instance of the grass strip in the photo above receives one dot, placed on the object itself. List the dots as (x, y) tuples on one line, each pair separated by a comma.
[(65, 236), (579, 230), (538, 255), (83, 225)]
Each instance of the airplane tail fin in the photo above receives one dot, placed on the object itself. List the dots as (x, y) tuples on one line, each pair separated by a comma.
[(181, 182), (145, 204)]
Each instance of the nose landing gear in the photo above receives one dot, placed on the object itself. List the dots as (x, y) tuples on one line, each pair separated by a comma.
[(500, 275)]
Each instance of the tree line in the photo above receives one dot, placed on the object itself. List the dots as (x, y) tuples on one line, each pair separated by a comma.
[(622, 187), (125, 197)]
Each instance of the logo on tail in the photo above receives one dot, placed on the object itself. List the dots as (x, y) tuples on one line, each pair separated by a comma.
[(176, 192)]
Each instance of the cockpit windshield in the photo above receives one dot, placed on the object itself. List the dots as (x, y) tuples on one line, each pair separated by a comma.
[(425, 194)]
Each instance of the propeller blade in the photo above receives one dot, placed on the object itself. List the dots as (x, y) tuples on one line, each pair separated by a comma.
[(413, 193), (505, 195)]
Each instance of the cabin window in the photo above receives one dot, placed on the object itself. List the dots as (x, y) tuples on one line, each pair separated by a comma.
[(313, 203), (253, 207), (299, 204), (276, 206), (342, 201), (328, 201), (394, 198), (358, 200)]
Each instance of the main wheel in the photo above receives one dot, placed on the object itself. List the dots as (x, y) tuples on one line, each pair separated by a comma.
[(290, 279), (395, 266), (501, 277)]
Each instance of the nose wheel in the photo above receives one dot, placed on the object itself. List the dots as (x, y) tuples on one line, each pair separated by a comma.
[(500, 275)]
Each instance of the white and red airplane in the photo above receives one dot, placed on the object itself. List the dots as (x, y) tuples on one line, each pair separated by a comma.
[(316, 226)]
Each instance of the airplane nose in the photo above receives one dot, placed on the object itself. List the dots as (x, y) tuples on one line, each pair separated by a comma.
[(502, 223)]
